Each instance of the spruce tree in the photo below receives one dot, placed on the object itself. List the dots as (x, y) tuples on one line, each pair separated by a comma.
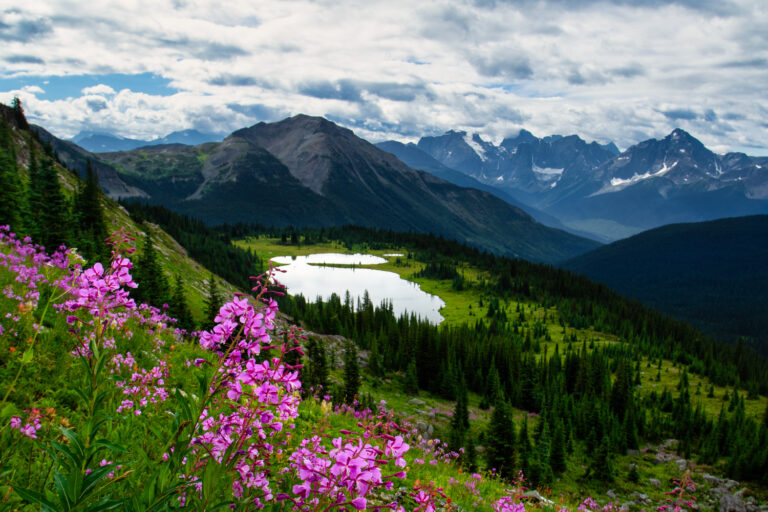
[(557, 452), (375, 360), (492, 387), (601, 468), (152, 284), (213, 303), (411, 381), (49, 207), (351, 373), (632, 440), (18, 114), (11, 204), (540, 472), (91, 231), (500, 440), (524, 447), (460, 419), (179, 308), (469, 458), (317, 367)]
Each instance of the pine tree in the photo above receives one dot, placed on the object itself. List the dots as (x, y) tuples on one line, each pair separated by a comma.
[(351, 373), (153, 286), (49, 206), (492, 387), (557, 453), (621, 392), (11, 205), (500, 440), (524, 447), (179, 308), (375, 360), (91, 231), (469, 458), (18, 114), (213, 303), (411, 381), (540, 472), (460, 419), (601, 468), (317, 367), (632, 440)]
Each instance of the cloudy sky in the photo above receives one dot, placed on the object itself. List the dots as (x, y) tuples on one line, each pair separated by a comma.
[(621, 70)]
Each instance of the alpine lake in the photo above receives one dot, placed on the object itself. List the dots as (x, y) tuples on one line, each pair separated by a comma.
[(321, 275)]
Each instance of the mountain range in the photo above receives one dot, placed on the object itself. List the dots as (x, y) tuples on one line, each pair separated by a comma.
[(710, 274), (101, 142), (308, 171), (598, 190)]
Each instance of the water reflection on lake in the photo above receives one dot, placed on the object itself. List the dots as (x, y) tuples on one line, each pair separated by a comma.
[(307, 276)]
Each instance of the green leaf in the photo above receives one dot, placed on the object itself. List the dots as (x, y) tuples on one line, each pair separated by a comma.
[(202, 383), (211, 476), (9, 410), (186, 413), (111, 446), (74, 438), (26, 358), (63, 449), (63, 488), (105, 504), (36, 497)]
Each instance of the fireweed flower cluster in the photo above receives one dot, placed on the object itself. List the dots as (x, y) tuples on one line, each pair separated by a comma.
[(30, 427), (28, 266), (251, 400), (344, 476)]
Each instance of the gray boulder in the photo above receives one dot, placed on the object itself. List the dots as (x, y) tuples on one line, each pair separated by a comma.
[(732, 503), (535, 496)]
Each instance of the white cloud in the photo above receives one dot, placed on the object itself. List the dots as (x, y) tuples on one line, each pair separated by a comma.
[(392, 68), (98, 89), (33, 89)]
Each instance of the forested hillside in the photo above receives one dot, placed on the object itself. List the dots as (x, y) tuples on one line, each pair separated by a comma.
[(711, 274)]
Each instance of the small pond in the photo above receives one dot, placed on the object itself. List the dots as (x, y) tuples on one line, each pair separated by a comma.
[(308, 276)]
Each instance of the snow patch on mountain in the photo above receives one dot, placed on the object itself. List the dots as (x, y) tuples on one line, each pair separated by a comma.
[(547, 171), (617, 184), (476, 147)]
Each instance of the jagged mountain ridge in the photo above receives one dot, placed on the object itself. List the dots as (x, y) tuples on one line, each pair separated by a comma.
[(309, 171), (414, 157), (591, 187)]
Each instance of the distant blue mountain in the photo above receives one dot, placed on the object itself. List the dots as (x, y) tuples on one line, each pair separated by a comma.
[(593, 188), (100, 142)]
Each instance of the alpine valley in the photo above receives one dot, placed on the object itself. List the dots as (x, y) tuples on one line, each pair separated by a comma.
[(162, 380)]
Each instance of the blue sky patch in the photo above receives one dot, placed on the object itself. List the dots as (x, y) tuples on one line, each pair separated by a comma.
[(70, 86)]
